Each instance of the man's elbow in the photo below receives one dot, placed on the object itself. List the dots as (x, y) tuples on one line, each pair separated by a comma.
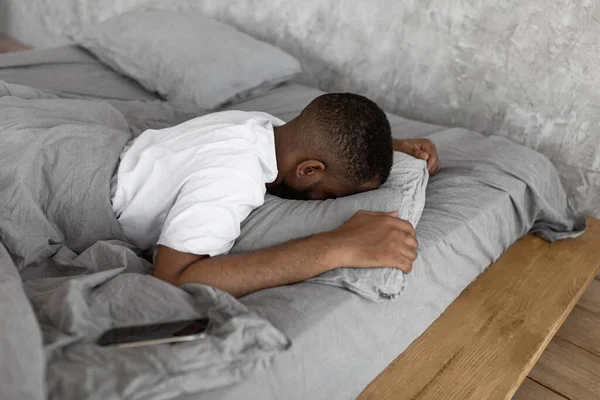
[(173, 279), (172, 266)]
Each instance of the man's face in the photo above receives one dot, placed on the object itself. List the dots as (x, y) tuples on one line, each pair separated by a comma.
[(286, 191), (322, 190)]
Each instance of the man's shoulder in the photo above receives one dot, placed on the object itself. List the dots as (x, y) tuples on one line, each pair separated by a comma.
[(242, 117)]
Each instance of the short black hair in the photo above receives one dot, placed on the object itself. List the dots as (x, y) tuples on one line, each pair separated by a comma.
[(358, 134)]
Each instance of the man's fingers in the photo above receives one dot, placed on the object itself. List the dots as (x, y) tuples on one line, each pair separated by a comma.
[(401, 250), (435, 168), (423, 155), (404, 264), (415, 150), (411, 241), (431, 162), (404, 226)]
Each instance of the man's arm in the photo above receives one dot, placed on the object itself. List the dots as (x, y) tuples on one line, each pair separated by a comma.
[(420, 148), (366, 240)]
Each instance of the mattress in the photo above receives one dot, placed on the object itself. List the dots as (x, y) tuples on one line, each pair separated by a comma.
[(69, 70), (340, 341), (337, 334)]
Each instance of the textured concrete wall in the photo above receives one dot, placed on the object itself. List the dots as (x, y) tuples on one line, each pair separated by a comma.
[(3, 16), (525, 69)]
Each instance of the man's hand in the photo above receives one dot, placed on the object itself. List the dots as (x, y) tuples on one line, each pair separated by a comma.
[(371, 239), (420, 148)]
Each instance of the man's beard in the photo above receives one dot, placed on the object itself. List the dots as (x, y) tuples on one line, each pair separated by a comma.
[(286, 192)]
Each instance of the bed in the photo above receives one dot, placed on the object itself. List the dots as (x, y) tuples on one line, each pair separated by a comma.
[(452, 340)]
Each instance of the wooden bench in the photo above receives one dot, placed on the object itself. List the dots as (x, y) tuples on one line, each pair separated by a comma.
[(484, 345)]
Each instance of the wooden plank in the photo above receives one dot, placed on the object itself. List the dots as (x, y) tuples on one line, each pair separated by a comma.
[(591, 298), (582, 328), (570, 370), (484, 345), (531, 390), (8, 45)]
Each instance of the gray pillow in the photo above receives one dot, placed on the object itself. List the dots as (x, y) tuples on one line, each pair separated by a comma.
[(186, 57), (279, 220)]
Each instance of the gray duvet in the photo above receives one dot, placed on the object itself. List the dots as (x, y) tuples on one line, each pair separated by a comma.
[(66, 273)]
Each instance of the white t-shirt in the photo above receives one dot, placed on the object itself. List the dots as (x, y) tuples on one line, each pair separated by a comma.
[(189, 187)]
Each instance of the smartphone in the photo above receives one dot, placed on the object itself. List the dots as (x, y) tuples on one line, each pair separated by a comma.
[(144, 335)]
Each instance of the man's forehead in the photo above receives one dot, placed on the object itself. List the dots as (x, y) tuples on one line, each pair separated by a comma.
[(336, 188)]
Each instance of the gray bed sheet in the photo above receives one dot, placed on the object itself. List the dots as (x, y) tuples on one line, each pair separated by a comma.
[(69, 70)]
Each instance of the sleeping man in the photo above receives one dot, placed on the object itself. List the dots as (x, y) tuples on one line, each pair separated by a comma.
[(188, 188)]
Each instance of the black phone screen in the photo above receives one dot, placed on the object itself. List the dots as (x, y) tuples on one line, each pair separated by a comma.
[(139, 333)]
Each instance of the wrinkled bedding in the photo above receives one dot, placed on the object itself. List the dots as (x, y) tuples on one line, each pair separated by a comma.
[(66, 274)]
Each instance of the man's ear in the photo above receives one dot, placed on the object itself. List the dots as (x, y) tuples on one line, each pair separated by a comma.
[(310, 169)]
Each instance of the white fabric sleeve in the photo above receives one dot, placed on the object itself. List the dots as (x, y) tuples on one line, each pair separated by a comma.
[(206, 215)]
